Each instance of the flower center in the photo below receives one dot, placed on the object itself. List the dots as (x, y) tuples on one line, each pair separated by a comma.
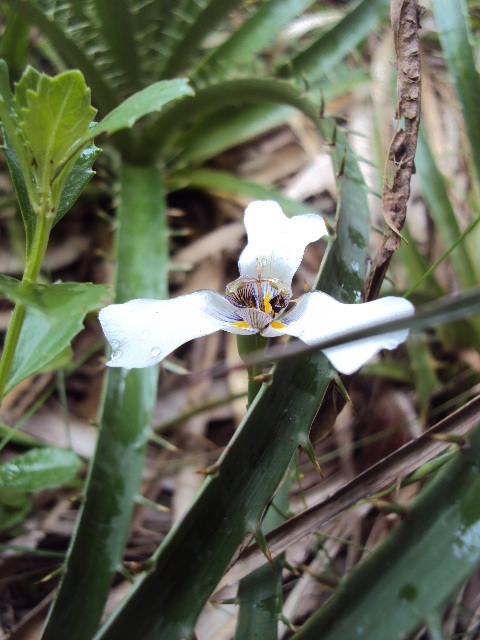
[(259, 300)]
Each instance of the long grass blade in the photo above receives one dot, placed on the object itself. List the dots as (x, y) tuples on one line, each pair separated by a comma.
[(455, 38), (115, 473)]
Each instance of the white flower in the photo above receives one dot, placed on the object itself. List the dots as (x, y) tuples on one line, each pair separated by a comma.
[(143, 332)]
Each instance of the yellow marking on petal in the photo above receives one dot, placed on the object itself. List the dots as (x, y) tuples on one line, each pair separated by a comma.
[(277, 325), (241, 324), (266, 303)]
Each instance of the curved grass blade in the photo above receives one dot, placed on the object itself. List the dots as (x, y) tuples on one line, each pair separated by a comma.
[(165, 603), (230, 93)]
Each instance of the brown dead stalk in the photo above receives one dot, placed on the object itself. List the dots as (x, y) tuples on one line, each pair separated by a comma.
[(405, 16)]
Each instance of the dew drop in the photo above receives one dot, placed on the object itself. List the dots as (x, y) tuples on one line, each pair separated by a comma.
[(115, 344), (116, 354), (155, 352)]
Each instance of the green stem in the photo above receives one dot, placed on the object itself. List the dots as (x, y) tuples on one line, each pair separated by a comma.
[(113, 483), (30, 275)]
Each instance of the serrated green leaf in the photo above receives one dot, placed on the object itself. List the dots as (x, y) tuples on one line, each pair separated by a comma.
[(55, 315), (146, 101), (29, 80), (39, 469), (231, 93), (53, 113), (230, 126)]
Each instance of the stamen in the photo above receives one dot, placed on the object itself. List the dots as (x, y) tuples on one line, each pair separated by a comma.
[(266, 303), (241, 324)]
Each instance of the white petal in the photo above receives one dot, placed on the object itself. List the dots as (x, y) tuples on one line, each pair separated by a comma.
[(317, 317), (143, 332), (277, 240)]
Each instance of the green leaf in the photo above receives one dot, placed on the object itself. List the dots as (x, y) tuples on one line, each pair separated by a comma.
[(39, 469), (116, 23), (419, 567), (153, 98), (18, 180), (130, 396), (230, 93), (322, 55), (53, 113), (455, 38), (230, 126), (72, 51), (55, 315), (77, 179)]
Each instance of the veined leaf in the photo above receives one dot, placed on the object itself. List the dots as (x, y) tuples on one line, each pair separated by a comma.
[(53, 114), (39, 469), (55, 315), (71, 49)]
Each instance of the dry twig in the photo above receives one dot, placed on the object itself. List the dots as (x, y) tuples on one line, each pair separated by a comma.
[(405, 15)]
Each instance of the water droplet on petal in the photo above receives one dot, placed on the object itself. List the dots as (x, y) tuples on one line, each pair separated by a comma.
[(155, 352), (115, 344), (144, 335), (116, 354)]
